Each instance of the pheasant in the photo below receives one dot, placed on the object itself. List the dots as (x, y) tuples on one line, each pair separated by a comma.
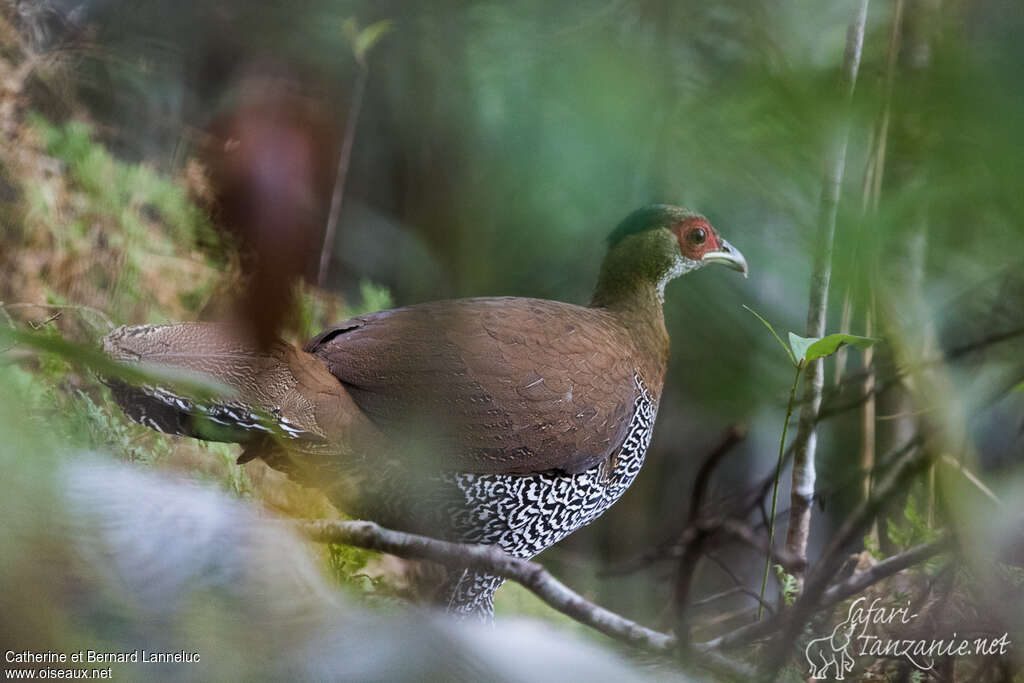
[(505, 421)]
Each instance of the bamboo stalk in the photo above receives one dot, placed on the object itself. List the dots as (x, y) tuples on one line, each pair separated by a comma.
[(806, 439)]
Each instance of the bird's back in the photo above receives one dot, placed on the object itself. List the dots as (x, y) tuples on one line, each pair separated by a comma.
[(491, 385)]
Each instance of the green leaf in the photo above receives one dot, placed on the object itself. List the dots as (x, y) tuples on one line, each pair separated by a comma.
[(787, 585), (369, 37), (874, 549), (363, 40), (1019, 387), (813, 348), (350, 29), (774, 334), (799, 345)]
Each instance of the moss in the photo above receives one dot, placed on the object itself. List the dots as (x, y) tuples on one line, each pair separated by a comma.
[(135, 193)]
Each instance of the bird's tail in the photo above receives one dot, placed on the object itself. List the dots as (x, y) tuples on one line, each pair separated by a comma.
[(279, 392)]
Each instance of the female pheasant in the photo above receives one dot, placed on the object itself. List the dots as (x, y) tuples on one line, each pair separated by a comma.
[(505, 421)]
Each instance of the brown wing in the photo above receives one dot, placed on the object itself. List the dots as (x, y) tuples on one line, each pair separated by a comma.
[(492, 385)]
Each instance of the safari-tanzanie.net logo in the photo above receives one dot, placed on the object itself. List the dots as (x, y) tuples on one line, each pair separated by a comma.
[(831, 657)]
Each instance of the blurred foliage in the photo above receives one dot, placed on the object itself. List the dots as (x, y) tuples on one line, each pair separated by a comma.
[(788, 587), (128, 192), (916, 529), (363, 39)]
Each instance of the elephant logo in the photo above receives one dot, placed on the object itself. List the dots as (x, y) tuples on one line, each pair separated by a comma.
[(832, 652)]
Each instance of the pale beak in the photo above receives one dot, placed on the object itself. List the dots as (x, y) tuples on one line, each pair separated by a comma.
[(728, 256)]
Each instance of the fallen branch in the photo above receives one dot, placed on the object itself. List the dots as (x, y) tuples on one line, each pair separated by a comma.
[(493, 561)]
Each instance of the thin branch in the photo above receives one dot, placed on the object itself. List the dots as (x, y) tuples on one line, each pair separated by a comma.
[(974, 479), (37, 325), (78, 308), (728, 592), (740, 583), (493, 561), (339, 181), (912, 460), (716, 661), (806, 439), (835, 594), (694, 548), (732, 436), (889, 483), (742, 532), (953, 354), (882, 570)]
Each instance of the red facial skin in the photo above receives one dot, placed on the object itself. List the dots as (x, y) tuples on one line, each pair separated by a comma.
[(689, 232)]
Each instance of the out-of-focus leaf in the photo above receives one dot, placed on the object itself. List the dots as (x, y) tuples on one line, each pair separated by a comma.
[(1019, 387), (774, 334), (363, 40), (350, 29), (813, 348), (369, 37)]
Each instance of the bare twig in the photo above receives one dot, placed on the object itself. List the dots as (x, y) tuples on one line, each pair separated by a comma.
[(835, 594), (694, 548), (733, 670), (806, 439), (339, 181), (882, 570), (709, 529), (40, 324), (781, 556), (732, 436), (906, 456), (910, 461), (78, 308), (728, 592), (493, 561), (953, 354), (974, 480), (740, 583)]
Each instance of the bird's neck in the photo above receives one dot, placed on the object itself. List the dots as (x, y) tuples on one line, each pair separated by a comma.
[(629, 297), (634, 298), (634, 279)]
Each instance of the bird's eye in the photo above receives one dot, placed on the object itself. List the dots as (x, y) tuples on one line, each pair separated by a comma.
[(698, 235)]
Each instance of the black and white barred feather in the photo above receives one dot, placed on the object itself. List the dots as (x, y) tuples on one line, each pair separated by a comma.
[(524, 515)]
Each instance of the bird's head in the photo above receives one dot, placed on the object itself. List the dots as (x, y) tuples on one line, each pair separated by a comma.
[(658, 243)]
